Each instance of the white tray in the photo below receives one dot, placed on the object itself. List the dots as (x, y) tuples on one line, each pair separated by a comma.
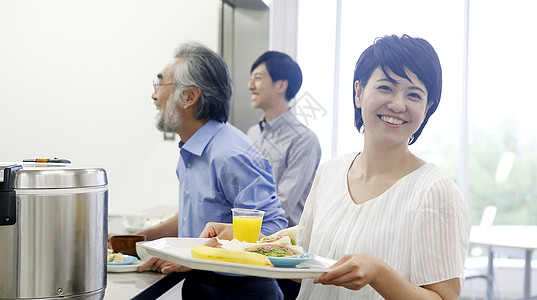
[(177, 250)]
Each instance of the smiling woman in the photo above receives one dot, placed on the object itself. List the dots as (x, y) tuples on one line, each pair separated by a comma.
[(384, 195)]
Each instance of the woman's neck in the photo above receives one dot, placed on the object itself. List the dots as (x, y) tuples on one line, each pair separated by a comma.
[(392, 163)]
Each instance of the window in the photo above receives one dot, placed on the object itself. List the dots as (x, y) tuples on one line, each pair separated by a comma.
[(502, 158)]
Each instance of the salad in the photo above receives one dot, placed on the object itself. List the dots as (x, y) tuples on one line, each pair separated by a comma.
[(115, 257)]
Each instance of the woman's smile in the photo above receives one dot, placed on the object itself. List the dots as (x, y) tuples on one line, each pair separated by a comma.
[(391, 120)]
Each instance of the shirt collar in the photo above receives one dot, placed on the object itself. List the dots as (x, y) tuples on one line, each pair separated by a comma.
[(280, 121), (201, 138)]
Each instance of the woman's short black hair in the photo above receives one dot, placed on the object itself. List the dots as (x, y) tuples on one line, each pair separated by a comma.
[(281, 66), (398, 54)]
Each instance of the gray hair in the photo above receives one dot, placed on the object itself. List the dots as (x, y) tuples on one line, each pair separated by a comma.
[(203, 68)]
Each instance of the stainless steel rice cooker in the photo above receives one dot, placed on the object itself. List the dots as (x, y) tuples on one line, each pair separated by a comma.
[(53, 231)]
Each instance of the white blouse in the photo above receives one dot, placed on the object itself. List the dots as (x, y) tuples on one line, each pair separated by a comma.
[(420, 226)]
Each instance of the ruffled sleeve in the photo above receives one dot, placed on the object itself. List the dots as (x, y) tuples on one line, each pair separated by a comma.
[(440, 235)]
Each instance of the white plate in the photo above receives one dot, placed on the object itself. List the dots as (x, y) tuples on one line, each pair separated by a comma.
[(124, 268), (131, 229), (177, 250), (151, 221), (128, 260)]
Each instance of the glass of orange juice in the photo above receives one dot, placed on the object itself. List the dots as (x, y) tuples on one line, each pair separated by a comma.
[(247, 224)]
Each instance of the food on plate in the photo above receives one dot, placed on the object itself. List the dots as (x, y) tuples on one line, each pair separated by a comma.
[(273, 250), (226, 255), (290, 232), (251, 253), (115, 257)]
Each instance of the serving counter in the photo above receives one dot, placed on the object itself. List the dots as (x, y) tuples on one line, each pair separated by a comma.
[(135, 285), (146, 285)]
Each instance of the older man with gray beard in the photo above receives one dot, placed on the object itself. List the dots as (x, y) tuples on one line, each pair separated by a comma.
[(168, 120), (218, 169)]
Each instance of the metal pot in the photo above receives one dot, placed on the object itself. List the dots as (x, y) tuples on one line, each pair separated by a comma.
[(53, 230)]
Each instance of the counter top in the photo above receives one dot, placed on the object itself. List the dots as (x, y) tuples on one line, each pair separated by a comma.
[(129, 284), (147, 285)]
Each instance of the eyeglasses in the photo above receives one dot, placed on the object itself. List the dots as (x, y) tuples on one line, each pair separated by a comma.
[(157, 84)]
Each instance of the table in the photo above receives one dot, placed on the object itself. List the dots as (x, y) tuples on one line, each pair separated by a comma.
[(506, 236)]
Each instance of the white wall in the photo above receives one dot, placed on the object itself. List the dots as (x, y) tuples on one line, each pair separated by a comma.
[(283, 36), (75, 82)]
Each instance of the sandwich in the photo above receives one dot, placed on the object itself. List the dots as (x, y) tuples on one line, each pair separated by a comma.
[(277, 237), (273, 250)]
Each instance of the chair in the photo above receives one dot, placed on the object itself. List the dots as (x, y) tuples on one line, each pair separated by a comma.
[(487, 218), (470, 274)]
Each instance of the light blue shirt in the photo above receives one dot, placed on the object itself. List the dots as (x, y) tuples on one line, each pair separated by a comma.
[(219, 168)]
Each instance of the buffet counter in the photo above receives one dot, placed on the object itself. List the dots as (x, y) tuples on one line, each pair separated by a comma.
[(135, 285), (146, 285)]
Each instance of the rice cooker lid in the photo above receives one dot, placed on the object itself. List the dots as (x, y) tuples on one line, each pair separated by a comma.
[(55, 176)]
